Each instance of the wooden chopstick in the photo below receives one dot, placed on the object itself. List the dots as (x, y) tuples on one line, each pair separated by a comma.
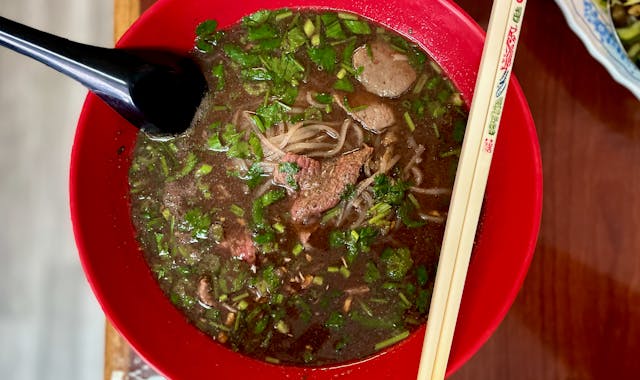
[(471, 179)]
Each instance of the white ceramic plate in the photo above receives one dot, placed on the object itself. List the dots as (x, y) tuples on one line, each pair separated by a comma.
[(590, 21)]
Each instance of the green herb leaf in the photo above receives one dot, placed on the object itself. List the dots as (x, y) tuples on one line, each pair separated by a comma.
[(241, 57), (343, 84), (335, 320), (397, 262), (323, 56), (261, 32), (273, 113), (218, 73), (296, 37), (256, 18), (253, 176), (357, 26), (290, 169), (196, 222), (256, 146), (207, 37)]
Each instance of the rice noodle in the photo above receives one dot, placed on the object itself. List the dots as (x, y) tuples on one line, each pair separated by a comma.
[(430, 191), (288, 135), (432, 218), (417, 175), (415, 159), (341, 140), (263, 188), (315, 149)]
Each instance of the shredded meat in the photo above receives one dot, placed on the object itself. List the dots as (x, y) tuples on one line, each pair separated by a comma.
[(308, 167), (241, 245), (322, 191)]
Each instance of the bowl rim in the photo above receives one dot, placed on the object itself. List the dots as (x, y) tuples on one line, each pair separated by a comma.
[(515, 93)]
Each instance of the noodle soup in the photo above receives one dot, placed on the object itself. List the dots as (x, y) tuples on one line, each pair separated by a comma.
[(299, 220)]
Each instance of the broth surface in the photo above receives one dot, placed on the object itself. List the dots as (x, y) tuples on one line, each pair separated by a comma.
[(299, 221)]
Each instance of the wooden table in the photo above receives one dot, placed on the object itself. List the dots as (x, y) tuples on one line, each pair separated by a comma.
[(578, 314)]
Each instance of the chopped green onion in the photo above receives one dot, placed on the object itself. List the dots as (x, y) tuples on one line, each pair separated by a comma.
[(341, 73), (345, 272), (404, 299), (164, 165), (435, 130), (409, 121), (315, 40), (271, 360), (414, 201), (334, 212), (279, 227), (308, 28), (452, 152), (343, 84), (236, 210), (215, 144), (393, 340), (203, 170), (240, 297), (297, 249), (357, 26), (364, 307), (347, 16), (284, 15), (333, 269), (317, 280), (282, 327), (420, 84)]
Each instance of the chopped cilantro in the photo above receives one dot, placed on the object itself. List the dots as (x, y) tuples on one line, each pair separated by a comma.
[(386, 190), (355, 241), (241, 57), (290, 169), (253, 176), (343, 84), (256, 18), (396, 262), (295, 38), (261, 32), (348, 192), (324, 98), (335, 320), (357, 26), (196, 222), (256, 147), (207, 36), (323, 56), (218, 73), (272, 113)]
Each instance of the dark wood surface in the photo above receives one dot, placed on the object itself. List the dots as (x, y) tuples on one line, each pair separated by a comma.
[(578, 313)]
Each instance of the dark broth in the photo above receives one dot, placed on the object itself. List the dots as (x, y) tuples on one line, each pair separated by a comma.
[(270, 247)]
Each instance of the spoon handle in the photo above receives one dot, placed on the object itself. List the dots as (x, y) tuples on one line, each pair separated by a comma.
[(99, 69), (156, 90)]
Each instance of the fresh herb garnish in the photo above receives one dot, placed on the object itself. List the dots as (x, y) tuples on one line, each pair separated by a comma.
[(290, 169)]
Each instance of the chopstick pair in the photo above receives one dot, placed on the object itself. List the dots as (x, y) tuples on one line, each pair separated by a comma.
[(471, 179)]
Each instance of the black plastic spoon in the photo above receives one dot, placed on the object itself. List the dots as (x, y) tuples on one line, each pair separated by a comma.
[(158, 91)]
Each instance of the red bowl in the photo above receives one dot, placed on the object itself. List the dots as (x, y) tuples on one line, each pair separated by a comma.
[(135, 305)]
